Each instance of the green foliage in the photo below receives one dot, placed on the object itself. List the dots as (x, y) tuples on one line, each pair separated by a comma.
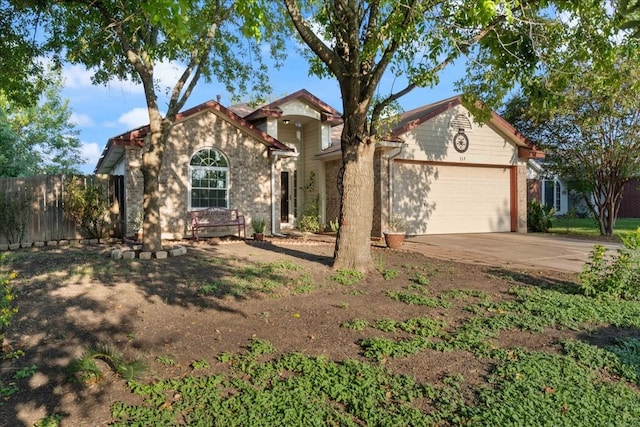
[(11, 387), (165, 360), (415, 299), (85, 369), (536, 389), (207, 38), (50, 421), (38, 138), (614, 275), (346, 276), (293, 389), (334, 225), (200, 364), (390, 274), (304, 284), (539, 217), (397, 224), (382, 348), (8, 308), (582, 114), (356, 324), (310, 219), (23, 78), (421, 279), (86, 205), (421, 329), (620, 359), (15, 214), (258, 224), (260, 277)]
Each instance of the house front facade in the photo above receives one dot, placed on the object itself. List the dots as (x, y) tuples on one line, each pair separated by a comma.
[(438, 169)]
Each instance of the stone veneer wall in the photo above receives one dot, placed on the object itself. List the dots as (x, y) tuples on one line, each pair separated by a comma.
[(521, 182), (332, 169), (134, 186), (379, 192), (249, 177)]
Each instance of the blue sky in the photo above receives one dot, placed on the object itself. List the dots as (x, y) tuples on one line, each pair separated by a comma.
[(101, 112)]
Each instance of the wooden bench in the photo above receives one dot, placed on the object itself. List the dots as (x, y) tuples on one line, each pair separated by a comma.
[(216, 217)]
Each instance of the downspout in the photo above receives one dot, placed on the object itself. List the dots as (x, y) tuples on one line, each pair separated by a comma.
[(394, 153), (276, 154)]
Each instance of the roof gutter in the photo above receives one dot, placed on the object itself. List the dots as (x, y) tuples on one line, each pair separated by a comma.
[(390, 160)]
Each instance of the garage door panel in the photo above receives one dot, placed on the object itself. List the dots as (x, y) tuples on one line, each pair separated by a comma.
[(451, 199)]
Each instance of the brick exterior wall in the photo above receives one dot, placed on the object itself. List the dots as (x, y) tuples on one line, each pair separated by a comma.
[(379, 194), (134, 186), (332, 169), (249, 179), (630, 203), (521, 182), (534, 190)]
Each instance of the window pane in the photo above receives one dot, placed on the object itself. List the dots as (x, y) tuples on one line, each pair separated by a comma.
[(209, 179)]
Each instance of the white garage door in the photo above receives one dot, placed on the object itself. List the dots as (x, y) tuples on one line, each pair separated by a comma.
[(452, 199)]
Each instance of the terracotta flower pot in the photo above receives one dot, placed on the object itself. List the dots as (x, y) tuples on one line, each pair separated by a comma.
[(393, 240), (258, 237)]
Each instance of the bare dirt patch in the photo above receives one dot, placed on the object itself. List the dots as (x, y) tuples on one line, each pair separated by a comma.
[(215, 299)]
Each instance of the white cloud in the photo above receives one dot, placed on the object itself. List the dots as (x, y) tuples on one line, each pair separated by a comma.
[(134, 118), (90, 152), (81, 120), (76, 77), (167, 73)]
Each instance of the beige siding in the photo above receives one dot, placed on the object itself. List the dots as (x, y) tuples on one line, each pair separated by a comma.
[(312, 179), (432, 140)]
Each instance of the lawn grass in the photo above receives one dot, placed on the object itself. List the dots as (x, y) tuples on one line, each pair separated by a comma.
[(588, 227)]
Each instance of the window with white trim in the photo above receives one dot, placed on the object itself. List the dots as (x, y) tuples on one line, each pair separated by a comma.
[(209, 179)]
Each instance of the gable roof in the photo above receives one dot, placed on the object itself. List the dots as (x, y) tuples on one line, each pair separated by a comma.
[(327, 112), (115, 147), (411, 119)]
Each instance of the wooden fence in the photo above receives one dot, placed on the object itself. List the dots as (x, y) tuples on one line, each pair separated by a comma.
[(40, 200)]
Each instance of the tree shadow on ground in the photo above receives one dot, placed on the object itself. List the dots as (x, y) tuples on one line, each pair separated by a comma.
[(71, 299), (563, 285), (296, 253)]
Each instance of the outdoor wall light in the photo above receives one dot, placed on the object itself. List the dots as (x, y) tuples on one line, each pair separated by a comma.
[(285, 121)]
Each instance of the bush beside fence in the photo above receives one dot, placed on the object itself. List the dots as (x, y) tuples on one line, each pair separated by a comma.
[(32, 208)]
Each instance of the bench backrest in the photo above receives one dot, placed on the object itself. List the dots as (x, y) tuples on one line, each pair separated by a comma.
[(215, 215)]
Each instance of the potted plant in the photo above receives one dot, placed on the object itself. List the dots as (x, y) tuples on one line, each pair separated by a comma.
[(135, 224), (396, 228), (258, 224)]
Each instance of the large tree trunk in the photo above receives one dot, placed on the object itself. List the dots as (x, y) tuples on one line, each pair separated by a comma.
[(151, 165), (605, 209), (353, 243)]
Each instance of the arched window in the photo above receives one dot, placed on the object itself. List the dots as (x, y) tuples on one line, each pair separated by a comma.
[(209, 178)]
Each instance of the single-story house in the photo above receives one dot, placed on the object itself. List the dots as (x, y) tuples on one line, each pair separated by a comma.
[(438, 168), (554, 192)]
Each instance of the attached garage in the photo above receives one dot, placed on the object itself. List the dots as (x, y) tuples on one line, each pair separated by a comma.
[(443, 172), (442, 199)]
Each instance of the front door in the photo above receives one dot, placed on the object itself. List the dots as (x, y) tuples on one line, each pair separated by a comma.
[(284, 197)]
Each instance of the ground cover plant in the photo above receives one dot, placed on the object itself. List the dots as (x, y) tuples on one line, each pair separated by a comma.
[(240, 334)]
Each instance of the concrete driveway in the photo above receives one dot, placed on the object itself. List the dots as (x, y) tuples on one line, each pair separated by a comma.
[(508, 249)]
